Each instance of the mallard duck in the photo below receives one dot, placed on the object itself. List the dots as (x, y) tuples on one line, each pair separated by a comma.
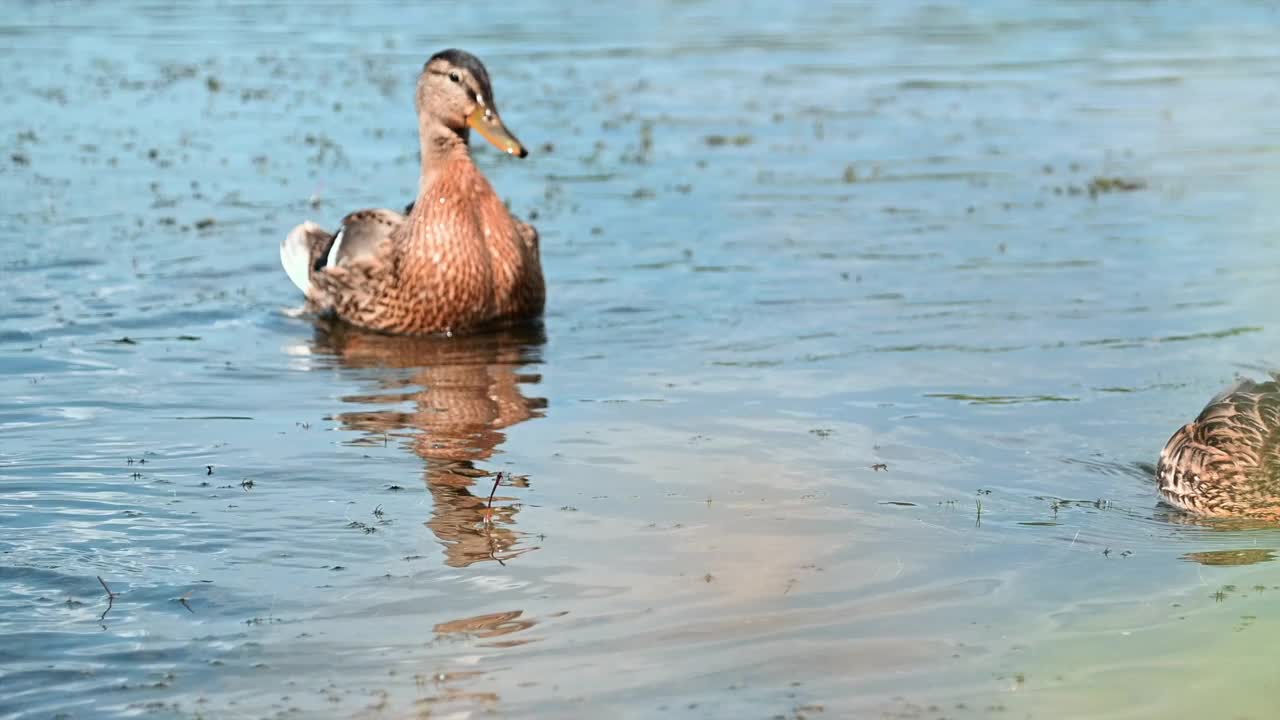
[(1227, 462), (456, 259)]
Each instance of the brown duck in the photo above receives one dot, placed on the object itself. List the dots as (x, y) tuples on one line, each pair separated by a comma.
[(456, 259), (1227, 462)]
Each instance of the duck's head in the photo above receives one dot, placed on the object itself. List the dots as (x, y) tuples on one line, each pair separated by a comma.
[(454, 90)]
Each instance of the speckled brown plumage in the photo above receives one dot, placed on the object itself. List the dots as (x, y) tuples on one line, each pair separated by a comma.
[(1227, 462), (458, 260)]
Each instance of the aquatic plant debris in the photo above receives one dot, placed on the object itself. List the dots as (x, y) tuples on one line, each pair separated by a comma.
[(1100, 185), (111, 601)]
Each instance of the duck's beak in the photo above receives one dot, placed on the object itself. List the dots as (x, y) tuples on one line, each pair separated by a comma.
[(487, 122)]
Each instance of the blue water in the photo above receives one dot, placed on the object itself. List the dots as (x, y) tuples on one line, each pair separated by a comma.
[(843, 406)]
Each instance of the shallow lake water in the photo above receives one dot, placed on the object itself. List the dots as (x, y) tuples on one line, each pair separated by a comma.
[(865, 324)]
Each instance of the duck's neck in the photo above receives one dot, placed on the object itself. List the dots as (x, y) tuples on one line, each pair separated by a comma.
[(440, 147)]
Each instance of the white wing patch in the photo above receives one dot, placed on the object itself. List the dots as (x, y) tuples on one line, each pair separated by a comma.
[(295, 254), (332, 260)]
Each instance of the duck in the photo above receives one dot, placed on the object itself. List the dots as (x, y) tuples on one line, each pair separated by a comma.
[(1226, 463), (456, 259)]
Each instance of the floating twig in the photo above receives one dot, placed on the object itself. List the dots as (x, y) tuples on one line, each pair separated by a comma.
[(493, 549), (486, 515), (488, 521), (111, 601), (497, 479)]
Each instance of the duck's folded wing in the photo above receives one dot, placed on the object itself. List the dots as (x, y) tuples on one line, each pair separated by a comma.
[(528, 234), (361, 235), (309, 248)]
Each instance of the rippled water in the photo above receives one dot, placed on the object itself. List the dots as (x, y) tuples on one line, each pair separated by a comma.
[(865, 323)]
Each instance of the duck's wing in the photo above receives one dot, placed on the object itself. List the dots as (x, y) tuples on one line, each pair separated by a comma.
[(309, 248), (1227, 461), (528, 233), (361, 235)]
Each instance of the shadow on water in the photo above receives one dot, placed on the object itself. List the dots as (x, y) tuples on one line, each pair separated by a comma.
[(465, 391)]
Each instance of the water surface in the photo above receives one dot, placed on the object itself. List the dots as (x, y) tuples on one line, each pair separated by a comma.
[(865, 323)]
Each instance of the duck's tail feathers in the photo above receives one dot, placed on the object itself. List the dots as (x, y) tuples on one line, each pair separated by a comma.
[(297, 251)]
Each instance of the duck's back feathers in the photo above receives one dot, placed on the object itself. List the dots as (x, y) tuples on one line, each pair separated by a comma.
[(310, 249), (1227, 462), (361, 234), (528, 234)]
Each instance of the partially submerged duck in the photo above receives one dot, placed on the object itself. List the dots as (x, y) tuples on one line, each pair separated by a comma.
[(1227, 462), (456, 259)]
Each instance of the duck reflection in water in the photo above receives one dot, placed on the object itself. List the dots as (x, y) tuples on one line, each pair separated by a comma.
[(1214, 532), (466, 391)]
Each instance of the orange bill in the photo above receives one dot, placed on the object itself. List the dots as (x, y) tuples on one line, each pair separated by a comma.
[(488, 124)]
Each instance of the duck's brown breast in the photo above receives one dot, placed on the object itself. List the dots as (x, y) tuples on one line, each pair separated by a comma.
[(459, 261)]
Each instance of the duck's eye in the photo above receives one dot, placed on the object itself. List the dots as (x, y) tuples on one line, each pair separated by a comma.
[(454, 77)]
